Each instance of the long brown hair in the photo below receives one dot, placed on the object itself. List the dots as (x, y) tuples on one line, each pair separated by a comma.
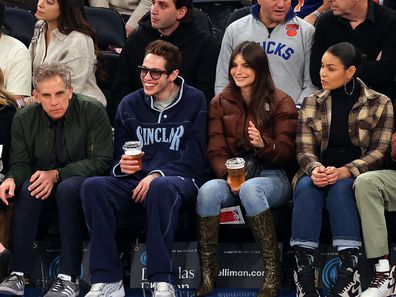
[(263, 87), (5, 97), (72, 18)]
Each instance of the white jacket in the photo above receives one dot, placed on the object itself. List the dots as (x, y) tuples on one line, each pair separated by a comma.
[(77, 51)]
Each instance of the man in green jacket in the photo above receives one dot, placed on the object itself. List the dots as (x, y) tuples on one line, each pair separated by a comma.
[(55, 145)]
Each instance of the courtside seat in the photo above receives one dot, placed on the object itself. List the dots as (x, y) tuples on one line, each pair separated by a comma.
[(237, 14), (108, 25), (218, 12), (22, 23), (202, 20), (105, 79)]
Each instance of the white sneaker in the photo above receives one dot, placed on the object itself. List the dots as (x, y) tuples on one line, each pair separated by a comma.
[(107, 290), (163, 289), (383, 282)]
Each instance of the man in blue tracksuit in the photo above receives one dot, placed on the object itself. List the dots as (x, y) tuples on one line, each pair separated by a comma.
[(169, 118)]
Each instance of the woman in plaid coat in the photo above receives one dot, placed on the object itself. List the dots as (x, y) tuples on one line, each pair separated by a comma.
[(343, 130)]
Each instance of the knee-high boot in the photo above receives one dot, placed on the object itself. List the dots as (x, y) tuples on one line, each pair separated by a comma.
[(208, 237), (264, 232)]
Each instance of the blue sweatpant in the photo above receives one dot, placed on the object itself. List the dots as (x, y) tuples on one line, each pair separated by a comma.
[(104, 197)]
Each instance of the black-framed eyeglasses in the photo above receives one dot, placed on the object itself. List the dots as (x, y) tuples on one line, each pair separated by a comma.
[(154, 73)]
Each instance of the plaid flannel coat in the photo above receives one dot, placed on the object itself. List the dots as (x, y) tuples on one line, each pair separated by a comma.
[(370, 128)]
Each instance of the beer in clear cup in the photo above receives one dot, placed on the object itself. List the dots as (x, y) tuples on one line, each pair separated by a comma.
[(134, 149), (236, 172)]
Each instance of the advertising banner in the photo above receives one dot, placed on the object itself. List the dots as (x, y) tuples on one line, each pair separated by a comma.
[(45, 264), (241, 265)]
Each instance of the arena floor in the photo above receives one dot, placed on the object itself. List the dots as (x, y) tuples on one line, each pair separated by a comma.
[(33, 292)]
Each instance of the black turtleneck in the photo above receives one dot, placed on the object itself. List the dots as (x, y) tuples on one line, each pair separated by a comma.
[(340, 149), (60, 156)]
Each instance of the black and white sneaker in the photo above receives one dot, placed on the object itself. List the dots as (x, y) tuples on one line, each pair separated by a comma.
[(13, 285), (63, 287), (305, 282), (347, 283), (383, 282)]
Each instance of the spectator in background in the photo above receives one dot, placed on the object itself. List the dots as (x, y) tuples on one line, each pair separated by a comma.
[(63, 35), (134, 9), (172, 21), (7, 110), (249, 118), (310, 10), (371, 28), (29, 5), (172, 168), (15, 62), (344, 130), (284, 37), (47, 170)]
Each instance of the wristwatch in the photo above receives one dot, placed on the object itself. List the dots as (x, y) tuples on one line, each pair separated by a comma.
[(58, 176)]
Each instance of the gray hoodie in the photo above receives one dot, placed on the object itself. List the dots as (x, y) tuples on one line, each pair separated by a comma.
[(288, 48)]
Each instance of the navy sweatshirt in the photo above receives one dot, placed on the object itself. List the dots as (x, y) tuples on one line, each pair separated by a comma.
[(174, 140)]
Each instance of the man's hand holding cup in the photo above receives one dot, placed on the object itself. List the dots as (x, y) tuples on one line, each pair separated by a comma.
[(131, 160)]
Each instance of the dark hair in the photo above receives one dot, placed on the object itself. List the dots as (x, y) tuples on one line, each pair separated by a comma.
[(72, 18), (168, 51), (263, 86), (188, 18), (348, 54)]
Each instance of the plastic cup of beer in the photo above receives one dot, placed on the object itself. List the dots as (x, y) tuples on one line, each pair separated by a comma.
[(134, 149), (236, 172)]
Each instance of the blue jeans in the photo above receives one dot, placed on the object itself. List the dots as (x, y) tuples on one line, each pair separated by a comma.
[(258, 194), (309, 201)]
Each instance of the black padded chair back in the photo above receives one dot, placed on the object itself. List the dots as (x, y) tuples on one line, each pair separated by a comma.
[(109, 26), (21, 23), (218, 12), (109, 66), (202, 20), (237, 14)]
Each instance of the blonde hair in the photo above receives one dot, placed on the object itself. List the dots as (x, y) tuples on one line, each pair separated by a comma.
[(6, 97)]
